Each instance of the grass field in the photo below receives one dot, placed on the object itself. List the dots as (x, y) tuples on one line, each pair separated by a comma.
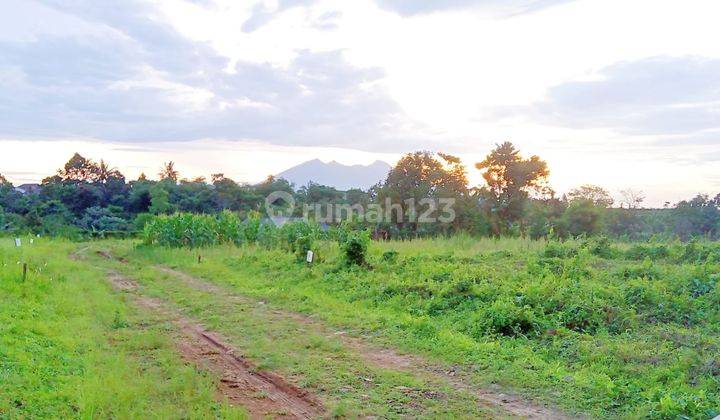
[(458, 327), (70, 347)]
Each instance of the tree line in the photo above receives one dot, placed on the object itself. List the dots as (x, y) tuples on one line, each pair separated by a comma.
[(87, 197)]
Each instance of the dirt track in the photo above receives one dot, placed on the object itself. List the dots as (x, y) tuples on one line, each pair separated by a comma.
[(509, 404), (262, 394)]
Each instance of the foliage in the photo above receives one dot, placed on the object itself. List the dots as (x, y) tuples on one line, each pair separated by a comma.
[(299, 237), (72, 348), (86, 198), (582, 323), (599, 196), (421, 176), (510, 179), (390, 256), (354, 246), (582, 217)]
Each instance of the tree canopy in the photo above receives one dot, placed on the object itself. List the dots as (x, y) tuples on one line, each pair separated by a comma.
[(85, 196)]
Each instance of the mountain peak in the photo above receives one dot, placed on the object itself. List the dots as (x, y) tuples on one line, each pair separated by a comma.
[(334, 174)]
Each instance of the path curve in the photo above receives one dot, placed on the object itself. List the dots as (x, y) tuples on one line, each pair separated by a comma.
[(264, 394), (512, 404)]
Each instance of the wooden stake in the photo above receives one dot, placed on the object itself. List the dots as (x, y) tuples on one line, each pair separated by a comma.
[(24, 271), (199, 258)]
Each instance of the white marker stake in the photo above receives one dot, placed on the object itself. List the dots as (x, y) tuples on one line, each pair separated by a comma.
[(310, 256), (18, 242)]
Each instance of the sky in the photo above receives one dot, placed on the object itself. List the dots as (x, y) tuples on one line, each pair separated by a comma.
[(620, 93)]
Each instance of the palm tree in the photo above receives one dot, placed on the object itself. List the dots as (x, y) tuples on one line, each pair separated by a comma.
[(106, 173), (168, 172)]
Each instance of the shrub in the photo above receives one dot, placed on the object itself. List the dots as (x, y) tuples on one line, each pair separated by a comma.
[(141, 220), (678, 405), (298, 237), (601, 247), (503, 317), (354, 247), (390, 257), (695, 252), (652, 251), (555, 249), (644, 270)]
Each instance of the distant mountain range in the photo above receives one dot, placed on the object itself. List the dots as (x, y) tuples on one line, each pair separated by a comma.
[(342, 177)]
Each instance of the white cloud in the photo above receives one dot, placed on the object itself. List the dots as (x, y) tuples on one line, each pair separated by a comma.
[(388, 75)]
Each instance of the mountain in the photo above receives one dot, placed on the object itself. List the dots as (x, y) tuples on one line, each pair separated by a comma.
[(342, 177)]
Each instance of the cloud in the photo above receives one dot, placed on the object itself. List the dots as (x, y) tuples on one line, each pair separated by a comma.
[(261, 14), (143, 82), (710, 138), (654, 96), (495, 8)]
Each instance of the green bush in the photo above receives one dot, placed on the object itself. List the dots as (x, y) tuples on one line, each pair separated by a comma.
[(503, 317), (601, 246), (653, 251), (141, 220), (390, 257), (354, 247), (696, 253), (645, 270), (298, 237), (555, 249)]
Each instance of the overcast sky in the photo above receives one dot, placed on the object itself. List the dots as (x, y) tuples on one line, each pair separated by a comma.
[(619, 93)]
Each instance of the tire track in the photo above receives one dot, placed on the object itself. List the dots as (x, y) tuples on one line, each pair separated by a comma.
[(507, 403), (263, 394)]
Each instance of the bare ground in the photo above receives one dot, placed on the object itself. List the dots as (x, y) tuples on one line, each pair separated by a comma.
[(263, 394), (508, 403)]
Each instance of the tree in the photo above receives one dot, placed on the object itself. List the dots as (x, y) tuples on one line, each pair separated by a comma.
[(102, 219), (631, 198), (10, 199), (544, 217), (159, 200), (599, 196), (79, 169), (696, 217), (627, 223), (168, 172), (105, 174), (419, 176), (582, 217), (510, 179)]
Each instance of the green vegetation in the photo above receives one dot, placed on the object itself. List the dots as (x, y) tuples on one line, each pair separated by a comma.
[(595, 326), (87, 199), (318, 360), (595, 309), (613, 329), (71, 348)]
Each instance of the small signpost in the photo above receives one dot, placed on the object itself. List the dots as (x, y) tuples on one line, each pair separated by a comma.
[(310, 256)]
